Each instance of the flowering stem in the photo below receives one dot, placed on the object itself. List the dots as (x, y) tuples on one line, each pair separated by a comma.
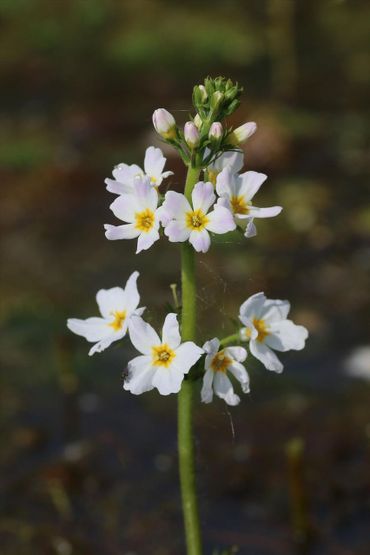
[(185, 400), (235, 337)]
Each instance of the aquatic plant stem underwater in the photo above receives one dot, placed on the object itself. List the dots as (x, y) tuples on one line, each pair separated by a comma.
[(185, 398)]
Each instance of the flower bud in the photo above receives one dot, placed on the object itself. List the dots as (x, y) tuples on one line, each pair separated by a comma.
[(216, 131), (242, 133), (198, 121), (216, 100), (164, 123), (191, 134), (203, 92)]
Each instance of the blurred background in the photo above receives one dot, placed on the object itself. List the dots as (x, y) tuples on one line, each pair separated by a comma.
[(88, 469)]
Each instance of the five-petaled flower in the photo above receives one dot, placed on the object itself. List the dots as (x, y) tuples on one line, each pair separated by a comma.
[(140, 210), (267, 328), (217, 364), (116, 307), (184, 222), (236, 193), (163, 362), (125, 176)]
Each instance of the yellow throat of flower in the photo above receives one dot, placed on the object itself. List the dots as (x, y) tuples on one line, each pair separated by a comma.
[(119, 318), (220, 362), (239, 205), (196, 220), (261, 328), (144, 220), (162, 355)]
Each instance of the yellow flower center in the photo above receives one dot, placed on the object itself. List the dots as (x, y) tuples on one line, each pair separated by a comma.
[(144, 220), (119, 318), (261, 329), (212, 176), (153, 179), (196, 220), (162, 355), (220, 362), (239, 205)]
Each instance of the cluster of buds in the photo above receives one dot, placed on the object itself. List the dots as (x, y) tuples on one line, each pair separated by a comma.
[(205, 137)]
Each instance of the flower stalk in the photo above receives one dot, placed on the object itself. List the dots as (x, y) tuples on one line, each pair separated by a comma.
[(185, 399)]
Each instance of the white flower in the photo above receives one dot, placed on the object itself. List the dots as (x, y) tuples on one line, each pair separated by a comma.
[(236, 193), (242, 133), (267, 328), (233, 159), (164, 362), (164, 123), (184, 222), (217, 364), (140, 210), (116, 306), (125, 176)]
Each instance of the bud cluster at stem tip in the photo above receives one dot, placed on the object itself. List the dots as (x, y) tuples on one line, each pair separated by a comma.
[(206, 136)]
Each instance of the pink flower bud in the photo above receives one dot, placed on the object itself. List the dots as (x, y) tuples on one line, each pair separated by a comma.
[(216, 131), (164, 123), (191, 134), (242, 133)]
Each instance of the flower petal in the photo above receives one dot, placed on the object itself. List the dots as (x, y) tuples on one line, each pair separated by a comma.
[(269, 212), (117, 188), (146, 240), (187, 354), (168, 380), (154, 162), (220, 220), (252, 308), (132, 297), (124, 207), (250, 182), (285, 335), (146, 194), (176, 205), (250, 230), (142, 335), (140, 375), (170, 331), (224, 389), (110, 301), (240, 373), (232, 159), (275, 310), (225, 183), (125, 174), (264, 354), (203, 196), (236, 353), (211, 347), (125, 231), (105, 343), (200, 240), (176, 231), (206, 393), (93, 329)]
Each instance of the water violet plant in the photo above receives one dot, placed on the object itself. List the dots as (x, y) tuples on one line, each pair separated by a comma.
[(216, 199)]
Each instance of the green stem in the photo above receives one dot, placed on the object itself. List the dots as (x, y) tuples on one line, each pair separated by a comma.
[(185, 398), (234, 338)]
